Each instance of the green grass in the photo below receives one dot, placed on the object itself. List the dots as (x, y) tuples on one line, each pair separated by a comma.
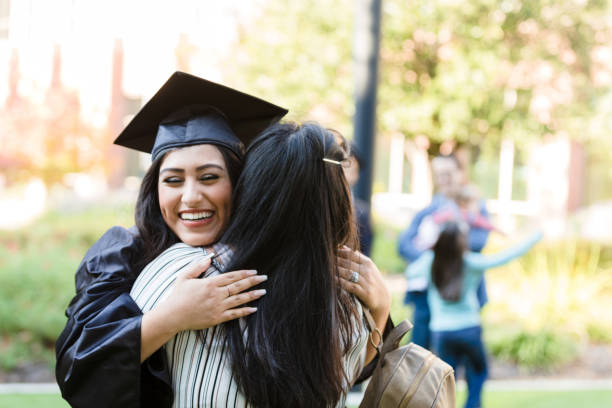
[(540, 399), (32, 401), (543, 399), (492, 399)]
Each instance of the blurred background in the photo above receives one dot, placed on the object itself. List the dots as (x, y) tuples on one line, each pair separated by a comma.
[(521, 92)]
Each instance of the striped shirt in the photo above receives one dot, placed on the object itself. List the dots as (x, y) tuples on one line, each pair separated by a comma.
[(199, 361)]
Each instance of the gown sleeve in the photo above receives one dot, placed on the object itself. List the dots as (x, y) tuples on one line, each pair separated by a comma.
[(98, 352)]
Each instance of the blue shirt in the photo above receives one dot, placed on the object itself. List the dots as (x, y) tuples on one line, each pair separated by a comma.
[(466, 311), (477, 237)]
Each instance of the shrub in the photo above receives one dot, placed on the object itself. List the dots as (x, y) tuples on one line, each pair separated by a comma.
[(563, 286), (37, 266), (542, 349)]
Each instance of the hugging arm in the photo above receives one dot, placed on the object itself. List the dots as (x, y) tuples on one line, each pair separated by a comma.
[(98, 352), (190, 303), (370, 289)]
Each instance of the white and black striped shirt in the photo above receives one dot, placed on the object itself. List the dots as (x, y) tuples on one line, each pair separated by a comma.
[(199, 360)]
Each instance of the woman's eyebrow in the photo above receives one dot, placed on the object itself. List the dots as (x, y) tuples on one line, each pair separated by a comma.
[(200, 168), (205, 166)]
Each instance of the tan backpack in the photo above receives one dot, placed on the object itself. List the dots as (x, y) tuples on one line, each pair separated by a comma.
[(408, 376)]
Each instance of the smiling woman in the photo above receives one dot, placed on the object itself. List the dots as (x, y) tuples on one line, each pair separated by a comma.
[(194, 191), (196, 132)]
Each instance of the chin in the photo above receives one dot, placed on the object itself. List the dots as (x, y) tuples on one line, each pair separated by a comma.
[(198, 241)]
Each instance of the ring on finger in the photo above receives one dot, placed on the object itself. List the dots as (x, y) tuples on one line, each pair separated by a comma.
[(354, 277)]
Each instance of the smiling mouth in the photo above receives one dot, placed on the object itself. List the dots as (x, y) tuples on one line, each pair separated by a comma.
[(196, 216)]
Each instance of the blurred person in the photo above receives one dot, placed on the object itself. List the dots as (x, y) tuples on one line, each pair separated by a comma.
[(468, 205), (352, 171), (196, 132), (453, 274), (307, 343), (448, 180)]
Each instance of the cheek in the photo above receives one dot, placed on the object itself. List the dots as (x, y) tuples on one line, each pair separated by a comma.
[(165, 201), (225, 200)]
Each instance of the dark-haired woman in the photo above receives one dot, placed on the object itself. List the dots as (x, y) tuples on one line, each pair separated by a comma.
[(453, 275), (196, 131), (307, 343)]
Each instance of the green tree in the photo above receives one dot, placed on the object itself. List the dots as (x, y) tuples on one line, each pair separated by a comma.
[(475, 72), (298, 54), (484, 70)]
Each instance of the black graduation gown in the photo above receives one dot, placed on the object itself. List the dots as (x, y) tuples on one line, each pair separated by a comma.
[(98, 352)]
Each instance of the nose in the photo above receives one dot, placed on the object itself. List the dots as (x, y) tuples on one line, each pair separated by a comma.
[(192, 196)]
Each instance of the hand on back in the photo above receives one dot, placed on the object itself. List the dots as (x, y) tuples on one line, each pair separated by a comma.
[(198, 303)]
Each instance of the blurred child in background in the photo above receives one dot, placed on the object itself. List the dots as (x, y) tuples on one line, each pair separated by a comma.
[(422, 233), (452, 274)]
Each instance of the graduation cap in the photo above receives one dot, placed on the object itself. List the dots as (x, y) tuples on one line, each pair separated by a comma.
[(188, 110)]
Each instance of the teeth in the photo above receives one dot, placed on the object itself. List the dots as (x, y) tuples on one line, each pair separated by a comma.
[(196, 216)]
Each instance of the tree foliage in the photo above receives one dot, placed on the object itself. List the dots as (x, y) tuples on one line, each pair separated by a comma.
[(484, 70), (298, 54), (474, 72)]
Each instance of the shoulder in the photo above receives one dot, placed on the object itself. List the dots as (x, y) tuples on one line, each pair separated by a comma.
[(436, 202), (114, 253), (116, 240), (156, 279), (177, 253)]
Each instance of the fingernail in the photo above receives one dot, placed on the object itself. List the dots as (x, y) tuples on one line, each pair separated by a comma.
[(263, 277), (252, 272), (252, 309), (260, 292)]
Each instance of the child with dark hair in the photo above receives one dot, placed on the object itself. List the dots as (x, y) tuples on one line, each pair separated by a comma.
[(453, 274), (423, 230)]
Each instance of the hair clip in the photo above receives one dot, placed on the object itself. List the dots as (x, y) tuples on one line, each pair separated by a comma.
[(325, 159), (343, 163)]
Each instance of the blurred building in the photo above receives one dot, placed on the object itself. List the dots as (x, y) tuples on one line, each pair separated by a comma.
[(98, 60)]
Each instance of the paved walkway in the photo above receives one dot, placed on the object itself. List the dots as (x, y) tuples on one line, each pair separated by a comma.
[(354, 398)]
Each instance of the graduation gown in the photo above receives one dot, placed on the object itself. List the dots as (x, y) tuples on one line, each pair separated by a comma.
[(98, 352)]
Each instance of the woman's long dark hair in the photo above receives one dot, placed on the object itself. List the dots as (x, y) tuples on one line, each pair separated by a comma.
[(447, 266), (291, 212), (155, 233)]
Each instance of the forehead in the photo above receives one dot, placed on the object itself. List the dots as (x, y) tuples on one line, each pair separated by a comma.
[(193, 156), (440, 164)]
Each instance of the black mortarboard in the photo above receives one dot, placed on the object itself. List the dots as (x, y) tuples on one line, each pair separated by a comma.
[(188, 110)]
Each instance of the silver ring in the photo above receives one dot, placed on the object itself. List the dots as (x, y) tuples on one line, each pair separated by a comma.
[(354, 277)]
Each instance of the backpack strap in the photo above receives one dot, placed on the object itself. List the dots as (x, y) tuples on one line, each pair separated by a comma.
[(393, 339)]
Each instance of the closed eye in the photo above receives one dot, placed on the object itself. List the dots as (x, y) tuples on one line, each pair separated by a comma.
[(209, 177), (172, 180)]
